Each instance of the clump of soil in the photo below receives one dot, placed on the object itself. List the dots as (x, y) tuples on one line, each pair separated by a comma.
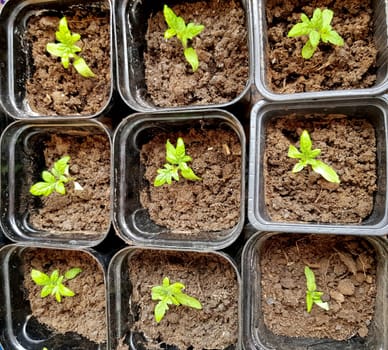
[(209, 278), (185, 206), (332, 67), (87, 210), (84, 313), (347, 144), (345, 270), (222, 49), (54, 90)]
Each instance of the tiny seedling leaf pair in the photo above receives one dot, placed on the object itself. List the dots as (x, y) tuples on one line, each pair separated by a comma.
[(54, 179), (177, 27), (171, 294), (307, 156), (67, 49), (312, 295), (317, 29), (53, 284), (177, 161)]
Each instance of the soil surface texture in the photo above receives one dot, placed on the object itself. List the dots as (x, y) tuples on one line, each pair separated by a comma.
[(84, 313), (185, 206), (345, 271), (332, 67), (347, 144), (209, 278), (222, 49), (54, 90), (87, 210)]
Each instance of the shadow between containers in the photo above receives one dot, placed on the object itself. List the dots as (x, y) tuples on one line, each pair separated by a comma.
[(132, 222), (380, 14), (375, 110), (256, 335), (130, 20), (15, 54), (22, 160)]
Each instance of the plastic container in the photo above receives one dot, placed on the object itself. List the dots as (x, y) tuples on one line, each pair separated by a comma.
[(375, 110), (15, 54), (123, 312), (131, 220), (21, 330), (22, 157), (131, 26), (257, 336), (380, 13)]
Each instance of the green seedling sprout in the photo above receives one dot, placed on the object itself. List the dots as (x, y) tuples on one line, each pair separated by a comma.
[(53, 284), (177, 27), (171, 294), (177, 161), (317, 29), (67, 49), (55, 179), (312, 295), (307, 156)]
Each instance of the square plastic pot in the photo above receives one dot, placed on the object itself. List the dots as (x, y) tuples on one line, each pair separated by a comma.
[(21, 147), (15, 67), (375, 110), (21, 331), (124, 312), (380, 13), (131, 220), (131, 26), (257, 336)]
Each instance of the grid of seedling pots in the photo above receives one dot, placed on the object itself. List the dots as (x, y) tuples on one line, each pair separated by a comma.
[(135, 229)]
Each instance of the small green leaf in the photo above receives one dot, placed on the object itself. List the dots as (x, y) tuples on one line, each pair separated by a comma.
[(309, 301), (315, 153), (191, 57), (188, 173), (60, 188), (48, 177), (298, 167), (171, 153), (72, 273), (57, 50), (189, 301), (82, 68), (193, 30), (327, 16), (293, 152), (46, 290), (334, 38), (180, 150), (166, 175), (299, 29), (62, 165), (42, 189), (326, 171), (39, 278), (58, 296), (64, 291), (169, 33), (314, 38), (160, 310), (54, 277), (305, 142), (310, 279)]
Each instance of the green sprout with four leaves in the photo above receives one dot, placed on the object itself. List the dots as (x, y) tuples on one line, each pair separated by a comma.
[(177, 27), (53, 284), (55, 179), (312, 295), (67, 49), (307, 156), (317, 28), (177, 161), (171, 294)]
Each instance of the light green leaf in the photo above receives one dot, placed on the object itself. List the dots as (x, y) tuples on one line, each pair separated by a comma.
[(63, 27), (334, 38), (40, 278), (72, 273), (171, 153), (169, 33), (309, 301), (299, 29), (60, 188), (193, 30), (48, 177), (293, 152), (189, 301), (160, 310), (180, 149), (176, 288), (57, 50), (64, 291), (305, 142), (327, 16), (170, 17), (191, 57), (58, 296), (61, 165), (46, 290), (42, 189), (304, 18), (326, 171), (54, 277), (166, 175), (316, 20), (188, 173), (158, 293), (308, 50), (65, 60), (298, 167), (314, 38), (310, 279), (82, 68), (315, 153)]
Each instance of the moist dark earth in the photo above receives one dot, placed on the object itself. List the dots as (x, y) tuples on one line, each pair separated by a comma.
[(332, 67), (222, 49), (347, 144), (345, 271), (53, 90)]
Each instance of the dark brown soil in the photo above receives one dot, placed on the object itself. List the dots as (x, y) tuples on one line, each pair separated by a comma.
[(222, 49), (345, 270), (87, 210), (85, 313), (54, 90), (348, 67), (207, 277), (188, 207), (347, 144)]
